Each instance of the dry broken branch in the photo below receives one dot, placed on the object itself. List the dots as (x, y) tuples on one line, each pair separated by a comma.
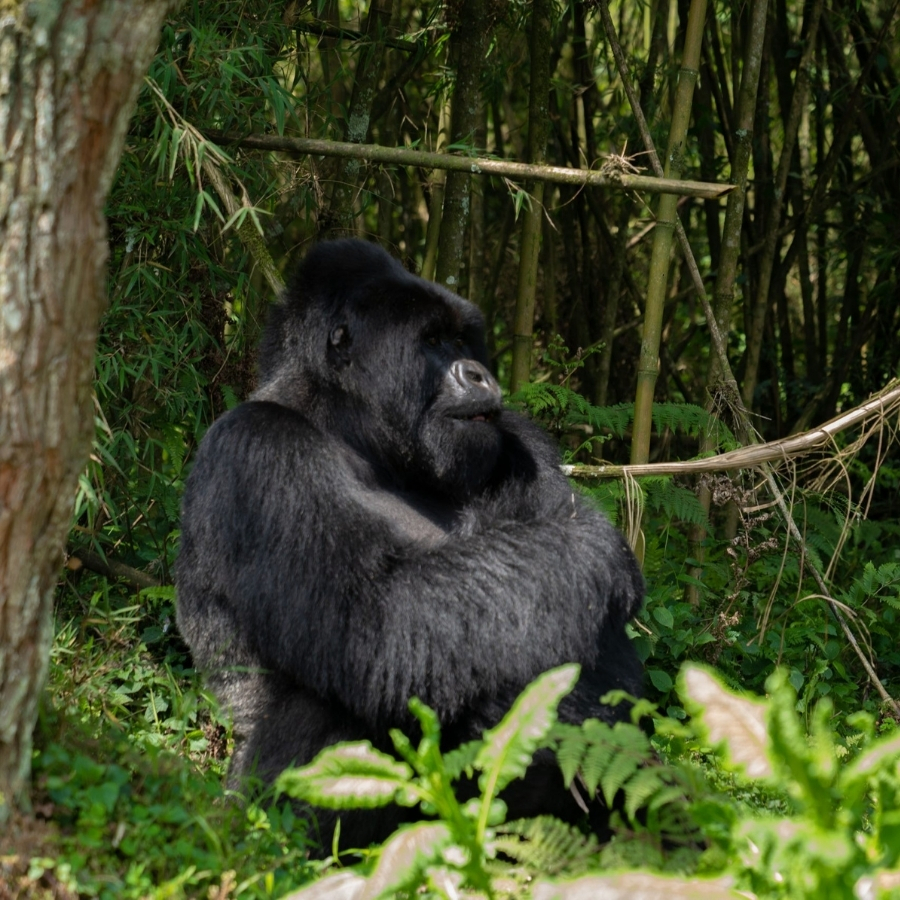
[(881, 406)]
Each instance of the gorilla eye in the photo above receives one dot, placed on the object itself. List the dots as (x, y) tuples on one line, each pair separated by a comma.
[(458, 343), (432, 340)]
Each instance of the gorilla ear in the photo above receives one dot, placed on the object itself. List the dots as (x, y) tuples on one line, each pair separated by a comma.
[(339, 345)]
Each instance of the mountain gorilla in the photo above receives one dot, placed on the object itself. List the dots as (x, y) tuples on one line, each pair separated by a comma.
[(373, 526)]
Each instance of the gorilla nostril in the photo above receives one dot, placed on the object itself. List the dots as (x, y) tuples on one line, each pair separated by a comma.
[(471, 374)]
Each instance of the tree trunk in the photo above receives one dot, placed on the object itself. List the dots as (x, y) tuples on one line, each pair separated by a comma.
[(69, 77)]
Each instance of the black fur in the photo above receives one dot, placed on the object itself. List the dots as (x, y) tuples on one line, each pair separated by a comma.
[(373, 526)]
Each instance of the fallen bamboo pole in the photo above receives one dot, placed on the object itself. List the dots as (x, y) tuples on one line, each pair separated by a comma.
[(607, 177)]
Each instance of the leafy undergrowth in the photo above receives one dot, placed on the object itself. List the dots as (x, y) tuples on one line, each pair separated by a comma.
[(739, 797), (825, 824), (128, 774)]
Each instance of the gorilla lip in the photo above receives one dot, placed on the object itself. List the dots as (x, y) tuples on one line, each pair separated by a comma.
[(487, 416)]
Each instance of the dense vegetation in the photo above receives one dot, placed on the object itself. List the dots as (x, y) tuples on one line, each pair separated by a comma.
[(208, 208)]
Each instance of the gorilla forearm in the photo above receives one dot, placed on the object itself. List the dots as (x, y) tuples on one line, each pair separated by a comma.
[(439, 626)]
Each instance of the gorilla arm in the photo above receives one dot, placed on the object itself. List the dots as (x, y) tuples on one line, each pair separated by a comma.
[(354, 609)]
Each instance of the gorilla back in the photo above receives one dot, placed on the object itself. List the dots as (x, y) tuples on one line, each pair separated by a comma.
[(372, 525)]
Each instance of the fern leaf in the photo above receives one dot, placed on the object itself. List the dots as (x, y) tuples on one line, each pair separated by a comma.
[(595, 764), (461, 759), (546, 845), (621, 768), (570, 749), (640, 788)]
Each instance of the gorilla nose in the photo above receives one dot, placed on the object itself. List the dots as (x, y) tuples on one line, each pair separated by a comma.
[(473, 376)]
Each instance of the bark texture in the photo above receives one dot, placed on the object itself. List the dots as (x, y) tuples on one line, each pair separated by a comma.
[(69, 77)]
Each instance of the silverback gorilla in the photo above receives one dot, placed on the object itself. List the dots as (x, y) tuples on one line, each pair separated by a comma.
[(372, 525)]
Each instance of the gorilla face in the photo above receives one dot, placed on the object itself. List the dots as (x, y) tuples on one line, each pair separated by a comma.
[(459, 438), (417, 374), (395, 364)]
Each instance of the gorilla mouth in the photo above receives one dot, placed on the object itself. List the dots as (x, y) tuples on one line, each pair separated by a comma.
[(486, 416)]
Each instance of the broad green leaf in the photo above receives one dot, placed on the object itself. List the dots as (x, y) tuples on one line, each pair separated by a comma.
[(340, 886), (636, 886), (399, 855), (508, 747), (350, 775), (862, 769), (729, 718), (879, 884)]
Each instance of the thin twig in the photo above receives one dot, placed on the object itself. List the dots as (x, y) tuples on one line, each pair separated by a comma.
[(109, 568)]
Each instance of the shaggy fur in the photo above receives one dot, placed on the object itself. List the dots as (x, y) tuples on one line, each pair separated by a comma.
[(372, 526)]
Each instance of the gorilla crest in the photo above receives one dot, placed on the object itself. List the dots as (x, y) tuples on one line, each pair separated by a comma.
[(372, 525)]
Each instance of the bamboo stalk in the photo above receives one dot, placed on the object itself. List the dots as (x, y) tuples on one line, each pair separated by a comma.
[(723, 292), (530, 242), (477, 223), (468, 44), (770, 249), (718, 341), (436, 206), (365, 84), (648, 365), (474, 165), (730, 392)]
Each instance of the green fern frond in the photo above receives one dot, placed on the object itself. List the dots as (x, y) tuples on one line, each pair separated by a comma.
[(546, 845), (174, 443), (643, 786), (612, 418), (596, 763), (572, 409), (462, 759), (622, 767), (571, 749), (677, 502)]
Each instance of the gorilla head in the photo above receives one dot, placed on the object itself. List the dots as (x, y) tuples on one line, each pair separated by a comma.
[(396, 365)]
